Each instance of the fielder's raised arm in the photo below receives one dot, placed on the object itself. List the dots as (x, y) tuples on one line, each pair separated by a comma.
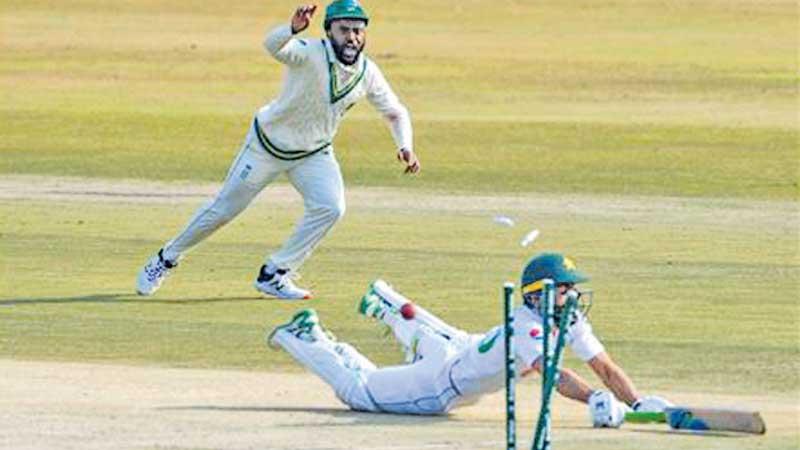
[(280, 44), (302, 17), (294, 134)]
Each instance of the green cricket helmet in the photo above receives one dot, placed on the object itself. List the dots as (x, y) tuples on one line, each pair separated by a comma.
[(554, 266), (344, 9), (561, 270)]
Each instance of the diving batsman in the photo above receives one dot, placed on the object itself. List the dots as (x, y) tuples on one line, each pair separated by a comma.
[(448, 367), (293, 135)]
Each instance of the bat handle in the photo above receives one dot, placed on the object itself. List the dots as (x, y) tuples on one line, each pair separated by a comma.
[(645, 417)]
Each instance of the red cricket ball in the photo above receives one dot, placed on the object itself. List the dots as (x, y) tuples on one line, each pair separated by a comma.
[(407, 311)]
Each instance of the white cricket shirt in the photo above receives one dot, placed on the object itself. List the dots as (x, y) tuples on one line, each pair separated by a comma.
[(317, 92)]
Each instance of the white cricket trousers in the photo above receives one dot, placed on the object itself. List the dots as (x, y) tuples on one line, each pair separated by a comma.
[(426, 387), (317, 178)]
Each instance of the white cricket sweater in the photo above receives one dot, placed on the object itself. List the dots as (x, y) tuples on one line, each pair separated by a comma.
[(317, 91)]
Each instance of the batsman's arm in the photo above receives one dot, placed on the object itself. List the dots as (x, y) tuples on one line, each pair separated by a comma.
[(570, 384), (614, 378)]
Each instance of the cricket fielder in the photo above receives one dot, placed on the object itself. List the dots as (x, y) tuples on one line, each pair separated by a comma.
[(293, 135), (451, 367)]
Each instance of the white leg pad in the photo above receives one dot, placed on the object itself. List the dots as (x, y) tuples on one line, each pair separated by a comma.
[(421, 315), (340, 365)]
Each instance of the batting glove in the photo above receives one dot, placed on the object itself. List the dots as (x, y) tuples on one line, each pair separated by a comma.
[(651, 403), (605, 410)]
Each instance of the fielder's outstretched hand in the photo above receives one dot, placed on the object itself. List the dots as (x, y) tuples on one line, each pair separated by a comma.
[(410, 159), (302, 17)]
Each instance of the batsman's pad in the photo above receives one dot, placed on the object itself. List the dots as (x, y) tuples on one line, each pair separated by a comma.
[(395, 301)]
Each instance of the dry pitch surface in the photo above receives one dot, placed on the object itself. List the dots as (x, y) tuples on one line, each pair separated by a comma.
[(104, 407)]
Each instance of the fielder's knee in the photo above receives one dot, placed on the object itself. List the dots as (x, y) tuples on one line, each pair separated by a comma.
[(226, 206), (224, 215), (332, 211)]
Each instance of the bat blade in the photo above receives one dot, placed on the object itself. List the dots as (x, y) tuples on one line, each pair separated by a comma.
[(700, 419), (715, 419)]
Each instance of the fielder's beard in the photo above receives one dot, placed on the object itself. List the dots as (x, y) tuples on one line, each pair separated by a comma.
[(348, 52)]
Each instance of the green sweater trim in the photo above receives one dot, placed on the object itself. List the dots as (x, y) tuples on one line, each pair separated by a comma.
[(339, 92)]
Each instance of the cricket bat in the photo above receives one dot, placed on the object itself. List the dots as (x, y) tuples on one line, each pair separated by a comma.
[(686, 418)]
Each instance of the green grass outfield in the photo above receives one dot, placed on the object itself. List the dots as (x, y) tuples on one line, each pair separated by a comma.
[(656, 142), (695, 298), (670, 285), (662, 98)]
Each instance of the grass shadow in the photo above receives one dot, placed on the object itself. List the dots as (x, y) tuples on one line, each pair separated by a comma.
[(698, 433), (122, 299), (355, 417)]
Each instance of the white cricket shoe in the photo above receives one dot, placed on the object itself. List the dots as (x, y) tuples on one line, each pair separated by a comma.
[(304, 326), (371, 305), (153, 274), (279, 285)]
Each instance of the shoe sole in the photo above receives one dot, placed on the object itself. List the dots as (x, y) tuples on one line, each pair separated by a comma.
[(271, 335), (278, 297), (362, 304), (144, 293)]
